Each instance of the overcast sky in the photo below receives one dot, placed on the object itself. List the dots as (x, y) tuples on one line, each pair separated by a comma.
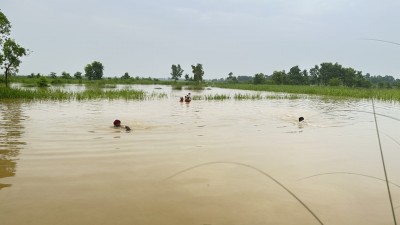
[(144, 38)]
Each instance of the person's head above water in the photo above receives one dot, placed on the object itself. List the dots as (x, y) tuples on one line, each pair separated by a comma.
[(301, 119), (117, 123)]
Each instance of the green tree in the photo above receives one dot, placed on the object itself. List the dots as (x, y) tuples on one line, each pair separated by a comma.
[(126, 76), (346, 76), (53, 75), (306, 78), (295, 76), (364, 83), (65, 75), (259, 78), (78, 75), (11, 52), (349, 77), (231, 78), (314, 75), (327, 71), (280, 77), (177, 72), (247, 79), (198, 72), (10, 59), (397, 83), (187, 78), (335, 81), (94, 71), (5, 28)]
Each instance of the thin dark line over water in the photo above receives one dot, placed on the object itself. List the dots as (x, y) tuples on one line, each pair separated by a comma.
[(256, 169), (347, 173)]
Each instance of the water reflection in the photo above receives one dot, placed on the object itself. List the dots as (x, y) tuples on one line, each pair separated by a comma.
[(11, 130)]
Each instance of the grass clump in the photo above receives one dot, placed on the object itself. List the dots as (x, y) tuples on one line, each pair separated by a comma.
[(177, 86), (219, 97), (195, 87), (110, 95), (256, 96), (42, 82)]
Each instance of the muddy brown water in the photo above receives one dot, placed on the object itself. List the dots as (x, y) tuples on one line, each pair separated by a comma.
[(208, 162)]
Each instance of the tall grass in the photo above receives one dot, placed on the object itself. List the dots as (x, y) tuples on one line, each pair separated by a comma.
[(118, 94), (342, 92), (194, 86), (177, 86), (95, 93), (39, 94)]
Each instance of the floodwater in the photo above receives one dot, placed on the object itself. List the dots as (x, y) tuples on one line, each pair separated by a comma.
[(205, 163)]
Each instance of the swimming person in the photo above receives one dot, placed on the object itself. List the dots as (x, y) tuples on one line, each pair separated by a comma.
[(301, 119), (188, 98), (117, 124)]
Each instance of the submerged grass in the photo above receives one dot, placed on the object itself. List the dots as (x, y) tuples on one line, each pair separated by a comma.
[(256, 96), (239, 96), (217, 97)]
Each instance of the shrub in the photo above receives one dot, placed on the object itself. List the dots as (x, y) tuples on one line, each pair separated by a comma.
[(42, 82)]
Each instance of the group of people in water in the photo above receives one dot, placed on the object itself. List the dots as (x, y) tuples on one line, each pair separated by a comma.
[(117, 122), (187, 98)]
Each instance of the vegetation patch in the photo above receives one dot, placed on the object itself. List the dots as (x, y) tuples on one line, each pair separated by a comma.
[(47, 94), (335, 91)]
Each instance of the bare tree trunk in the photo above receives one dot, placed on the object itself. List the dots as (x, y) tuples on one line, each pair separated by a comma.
[(6, 76)]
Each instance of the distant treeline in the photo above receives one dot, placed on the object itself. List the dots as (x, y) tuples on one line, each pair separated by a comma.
[(41, 80), (326, 74)]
